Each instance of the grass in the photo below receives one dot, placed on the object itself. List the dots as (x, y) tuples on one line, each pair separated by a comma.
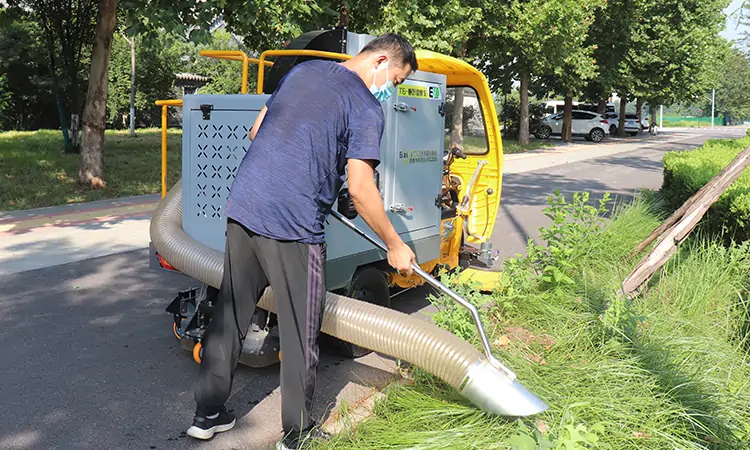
[(35, 173), (691, 122), (668, 371), (512, 146)]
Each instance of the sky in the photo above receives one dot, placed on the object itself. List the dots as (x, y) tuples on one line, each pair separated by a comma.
[(732, 30)]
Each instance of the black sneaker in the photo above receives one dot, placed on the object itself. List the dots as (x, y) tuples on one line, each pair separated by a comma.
[(294, 441), (204, 427)]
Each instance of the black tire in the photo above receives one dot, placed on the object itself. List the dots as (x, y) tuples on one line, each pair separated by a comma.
[(369, 285), (543, 132), (613, 130), (596, 135)]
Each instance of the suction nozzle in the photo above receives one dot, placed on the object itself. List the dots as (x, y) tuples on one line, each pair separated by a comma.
[(493, 391)]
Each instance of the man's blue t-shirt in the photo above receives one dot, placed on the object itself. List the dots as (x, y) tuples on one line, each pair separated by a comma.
[(320, 115)]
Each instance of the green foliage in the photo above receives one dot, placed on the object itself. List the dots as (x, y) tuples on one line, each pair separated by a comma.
[(679, 380), (733, 87), (686, 172), (156, 65), (517, 43), (572, 224), (570, 437), (510, 114), (27, 85), (446, 26)]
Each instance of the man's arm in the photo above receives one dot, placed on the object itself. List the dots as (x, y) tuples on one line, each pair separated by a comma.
[(369, 204), (258, 121)]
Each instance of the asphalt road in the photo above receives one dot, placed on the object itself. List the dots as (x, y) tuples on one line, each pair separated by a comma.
[(89, 360)]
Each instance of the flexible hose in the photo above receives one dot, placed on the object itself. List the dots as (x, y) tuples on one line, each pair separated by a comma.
[(383, 330)]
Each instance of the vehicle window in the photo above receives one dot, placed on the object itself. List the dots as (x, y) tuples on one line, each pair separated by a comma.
[(580, 115), (464, 121), (631, 116)]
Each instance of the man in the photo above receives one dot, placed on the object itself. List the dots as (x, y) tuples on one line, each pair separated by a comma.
[(324, 118)]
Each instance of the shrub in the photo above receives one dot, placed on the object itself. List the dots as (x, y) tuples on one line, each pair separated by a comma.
[(686, 172)]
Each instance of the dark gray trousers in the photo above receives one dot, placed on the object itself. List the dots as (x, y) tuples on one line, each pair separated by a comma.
[(296, 274)]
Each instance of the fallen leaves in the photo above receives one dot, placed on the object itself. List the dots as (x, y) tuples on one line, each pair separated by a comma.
[(527, 337), (502, 341), (542, 427)]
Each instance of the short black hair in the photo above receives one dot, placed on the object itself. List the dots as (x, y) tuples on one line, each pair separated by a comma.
[(396, 46)]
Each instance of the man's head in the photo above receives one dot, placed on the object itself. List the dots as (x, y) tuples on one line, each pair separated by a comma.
[(389, 57)]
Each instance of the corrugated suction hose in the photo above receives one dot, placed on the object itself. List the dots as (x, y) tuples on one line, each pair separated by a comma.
[(383, 330)]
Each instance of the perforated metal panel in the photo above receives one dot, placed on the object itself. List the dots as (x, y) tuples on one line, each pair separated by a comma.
[(215, 139)]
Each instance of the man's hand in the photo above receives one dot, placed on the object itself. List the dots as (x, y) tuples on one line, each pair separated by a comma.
[(401, 258), (369, 205)]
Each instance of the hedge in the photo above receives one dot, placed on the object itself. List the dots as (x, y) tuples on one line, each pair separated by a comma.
[(687, 171)]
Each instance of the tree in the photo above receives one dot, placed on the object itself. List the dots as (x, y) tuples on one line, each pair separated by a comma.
[(91, 170), (679, 49), (67, 30), (27, 87), (527, 38), (733, 86)]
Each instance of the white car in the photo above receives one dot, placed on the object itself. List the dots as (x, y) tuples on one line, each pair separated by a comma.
[(631, 123), (588, 124)]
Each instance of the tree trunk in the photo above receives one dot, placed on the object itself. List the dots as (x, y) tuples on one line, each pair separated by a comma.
[(343, 14), (74, 133), (601, 107), (457, 127), (621, 119), (638, 108), (132, 86), (92, 164), (523, 113), (652, 113), (567, 128)]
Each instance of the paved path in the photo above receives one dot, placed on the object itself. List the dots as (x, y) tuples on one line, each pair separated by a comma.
[(89, 358)]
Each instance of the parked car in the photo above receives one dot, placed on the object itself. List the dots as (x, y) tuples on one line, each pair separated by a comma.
[(631, 123), (590, 125)]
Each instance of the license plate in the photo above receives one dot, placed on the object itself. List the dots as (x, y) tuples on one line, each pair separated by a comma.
[(630, 122)]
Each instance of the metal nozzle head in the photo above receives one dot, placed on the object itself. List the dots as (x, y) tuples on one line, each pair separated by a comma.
[(492, 391)]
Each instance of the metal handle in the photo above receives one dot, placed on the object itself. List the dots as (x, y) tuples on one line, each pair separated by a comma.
[(439, 286)]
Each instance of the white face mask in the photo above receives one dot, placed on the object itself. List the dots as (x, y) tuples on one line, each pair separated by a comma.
[(385, 91)]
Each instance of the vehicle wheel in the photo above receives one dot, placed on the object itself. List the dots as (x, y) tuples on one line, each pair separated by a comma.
[(596, 135), (543, 132), (613, 130), (368, 285), (633, 133)]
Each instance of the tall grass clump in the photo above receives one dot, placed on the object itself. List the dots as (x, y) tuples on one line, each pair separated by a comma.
[(668, 370)]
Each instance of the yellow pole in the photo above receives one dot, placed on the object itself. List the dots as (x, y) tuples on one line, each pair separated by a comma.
[(261, 72), (163, 151), (244, 73)]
